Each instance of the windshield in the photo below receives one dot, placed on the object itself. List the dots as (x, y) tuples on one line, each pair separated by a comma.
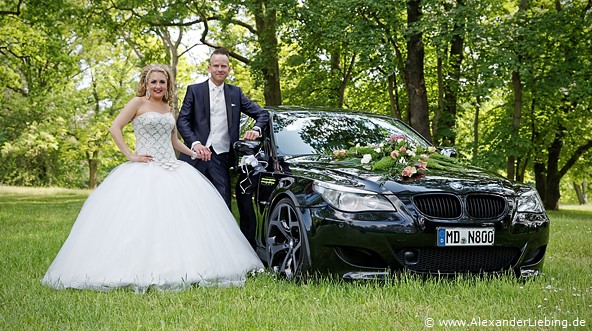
[(303, 133)]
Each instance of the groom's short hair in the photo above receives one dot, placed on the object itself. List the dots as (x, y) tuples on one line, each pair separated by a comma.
[(221, 51)]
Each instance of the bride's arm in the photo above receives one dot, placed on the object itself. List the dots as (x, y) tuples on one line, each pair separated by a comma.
[(180, 146), (116, 129)]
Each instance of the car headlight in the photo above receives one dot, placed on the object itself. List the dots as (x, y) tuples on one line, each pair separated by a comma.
[(352, 199), (530, 202)]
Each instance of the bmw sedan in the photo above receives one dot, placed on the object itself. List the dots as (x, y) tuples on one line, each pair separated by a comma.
[(323, 203)]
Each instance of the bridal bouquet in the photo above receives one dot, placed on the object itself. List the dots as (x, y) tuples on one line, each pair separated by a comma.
[(397, 155)]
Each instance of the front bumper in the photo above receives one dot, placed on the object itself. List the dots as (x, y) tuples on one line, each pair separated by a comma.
[(359, 249)]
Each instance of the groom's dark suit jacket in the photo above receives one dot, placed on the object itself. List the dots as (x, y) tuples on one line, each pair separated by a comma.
[(193, 122)]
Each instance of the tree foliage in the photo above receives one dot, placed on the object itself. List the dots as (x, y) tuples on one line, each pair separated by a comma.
[(507, 82)]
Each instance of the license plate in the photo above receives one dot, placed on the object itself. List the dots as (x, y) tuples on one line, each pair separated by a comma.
[(465, 236)]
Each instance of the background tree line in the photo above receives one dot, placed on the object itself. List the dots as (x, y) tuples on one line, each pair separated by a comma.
[(505, 81)]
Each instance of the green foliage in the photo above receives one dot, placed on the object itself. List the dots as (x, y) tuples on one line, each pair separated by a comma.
[(335, 50), (32, 159), (71, 65), (545, 44)]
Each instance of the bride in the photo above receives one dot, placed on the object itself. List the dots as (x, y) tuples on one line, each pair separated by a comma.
[(154, 221)]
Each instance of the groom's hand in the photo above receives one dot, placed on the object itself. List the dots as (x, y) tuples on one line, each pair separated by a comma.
[(203, 153), (251, 135)]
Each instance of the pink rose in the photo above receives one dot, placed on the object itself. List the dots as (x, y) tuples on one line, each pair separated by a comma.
[(395, 137), (409, 171), (339, 153), (423, 165), (395, 154)]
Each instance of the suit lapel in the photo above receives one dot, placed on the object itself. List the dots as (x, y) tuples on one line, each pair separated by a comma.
[(228, 105), (206, 101)]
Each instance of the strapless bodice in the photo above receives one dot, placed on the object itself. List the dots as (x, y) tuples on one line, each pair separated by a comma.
[(153, 137)]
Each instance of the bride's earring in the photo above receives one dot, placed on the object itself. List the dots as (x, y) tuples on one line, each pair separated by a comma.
[(147, 94), (166, 94)]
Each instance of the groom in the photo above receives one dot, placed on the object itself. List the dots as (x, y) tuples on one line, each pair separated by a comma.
[(209, 122)]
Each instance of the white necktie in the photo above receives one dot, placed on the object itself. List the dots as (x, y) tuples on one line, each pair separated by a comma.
[(217, 94)]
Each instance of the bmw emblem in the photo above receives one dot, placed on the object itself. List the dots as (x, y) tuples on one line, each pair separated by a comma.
[(456, 186)]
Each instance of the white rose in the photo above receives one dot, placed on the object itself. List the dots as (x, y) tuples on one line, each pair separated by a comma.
[(366, 159)]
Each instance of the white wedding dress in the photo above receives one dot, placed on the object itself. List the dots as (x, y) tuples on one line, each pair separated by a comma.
[(160, 224)]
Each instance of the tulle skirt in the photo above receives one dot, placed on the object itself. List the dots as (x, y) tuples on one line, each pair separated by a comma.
[(148, 226)]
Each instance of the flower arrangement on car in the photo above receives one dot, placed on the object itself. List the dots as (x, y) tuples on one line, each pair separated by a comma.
[(398, 156)]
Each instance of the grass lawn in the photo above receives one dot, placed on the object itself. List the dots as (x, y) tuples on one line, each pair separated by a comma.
[(35, 222)]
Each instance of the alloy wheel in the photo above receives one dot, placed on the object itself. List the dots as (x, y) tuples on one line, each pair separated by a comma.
[(287, 250)]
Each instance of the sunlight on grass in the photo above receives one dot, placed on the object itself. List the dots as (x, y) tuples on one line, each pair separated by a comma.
[(20, 190), (35, 223), (585, 208)]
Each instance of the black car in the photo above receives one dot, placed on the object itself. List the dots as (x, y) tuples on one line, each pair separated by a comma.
[(316, 213)]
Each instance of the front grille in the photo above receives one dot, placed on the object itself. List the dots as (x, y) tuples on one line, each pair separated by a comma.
[(438, 205), (476, 206), (485, 206), (448, 260)]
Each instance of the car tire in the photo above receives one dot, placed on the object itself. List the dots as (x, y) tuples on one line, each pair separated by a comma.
[(286, 241)]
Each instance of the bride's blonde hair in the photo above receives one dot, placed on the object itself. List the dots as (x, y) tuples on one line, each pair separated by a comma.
[(141, 90)]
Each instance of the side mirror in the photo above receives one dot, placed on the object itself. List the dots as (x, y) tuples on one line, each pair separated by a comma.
[(245, 147), (449, 151)]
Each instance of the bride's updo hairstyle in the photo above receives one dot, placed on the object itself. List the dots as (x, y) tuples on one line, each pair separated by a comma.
[(149, 69)]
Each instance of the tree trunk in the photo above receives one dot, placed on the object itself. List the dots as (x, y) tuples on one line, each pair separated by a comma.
[(392, 78), (439, 109), (394, 95), (540, 178), (93, 165), (581, 192), (346, 73), (416, 90), (548, 179), (265, 20), (476, 127), (517, 115), (447, 122), (521, 164), (551, 200), (552, 189)]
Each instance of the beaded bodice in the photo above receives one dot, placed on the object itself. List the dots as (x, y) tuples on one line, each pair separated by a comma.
[(153, 137)]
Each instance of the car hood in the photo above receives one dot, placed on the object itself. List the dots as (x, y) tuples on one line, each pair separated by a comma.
[(458, 179)]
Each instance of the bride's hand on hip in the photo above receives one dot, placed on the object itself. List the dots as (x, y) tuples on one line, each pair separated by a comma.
[(140, 158)]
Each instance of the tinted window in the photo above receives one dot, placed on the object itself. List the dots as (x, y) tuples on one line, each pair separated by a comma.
[(316, 133)]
